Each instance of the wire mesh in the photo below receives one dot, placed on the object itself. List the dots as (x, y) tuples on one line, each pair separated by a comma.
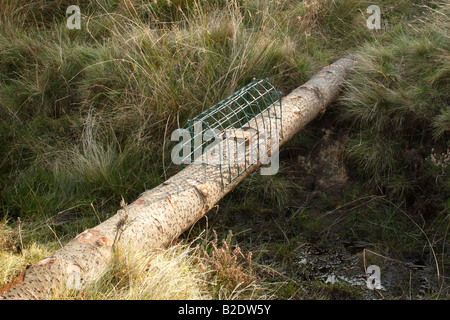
[(237, 132)]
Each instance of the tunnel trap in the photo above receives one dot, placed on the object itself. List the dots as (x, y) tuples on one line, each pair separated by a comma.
[(236, 133)]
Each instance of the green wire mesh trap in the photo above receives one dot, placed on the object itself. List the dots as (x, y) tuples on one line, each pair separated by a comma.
[(237, 132)]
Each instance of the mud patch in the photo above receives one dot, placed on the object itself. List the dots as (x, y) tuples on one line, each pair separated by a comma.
[(324, 165), (342, 264)]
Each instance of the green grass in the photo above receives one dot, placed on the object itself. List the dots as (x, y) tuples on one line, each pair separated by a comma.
[(91, 117), (396, 103)]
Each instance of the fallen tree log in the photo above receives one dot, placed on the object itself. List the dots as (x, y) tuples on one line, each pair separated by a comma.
[(161, 214)]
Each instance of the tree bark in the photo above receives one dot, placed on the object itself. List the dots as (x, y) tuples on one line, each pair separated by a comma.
[(161, 214)]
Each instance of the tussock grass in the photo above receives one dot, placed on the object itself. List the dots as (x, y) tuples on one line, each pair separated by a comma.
[(396, 102), (202, 269), (159, 275), (17, 251), (275, 191)]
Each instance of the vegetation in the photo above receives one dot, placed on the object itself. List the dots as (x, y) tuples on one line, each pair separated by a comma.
[(86, 115)]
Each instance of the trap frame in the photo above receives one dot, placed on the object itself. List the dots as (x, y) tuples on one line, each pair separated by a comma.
[(237, 132)]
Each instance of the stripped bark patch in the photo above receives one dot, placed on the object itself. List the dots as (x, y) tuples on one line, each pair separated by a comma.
[(94, 237), (203, 189), (314, 89), (200, 187), (297, 112), (104, 241), (171, 201), (139, 202), (18, 280), (87, 235), (46, 261), (324, 73)]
